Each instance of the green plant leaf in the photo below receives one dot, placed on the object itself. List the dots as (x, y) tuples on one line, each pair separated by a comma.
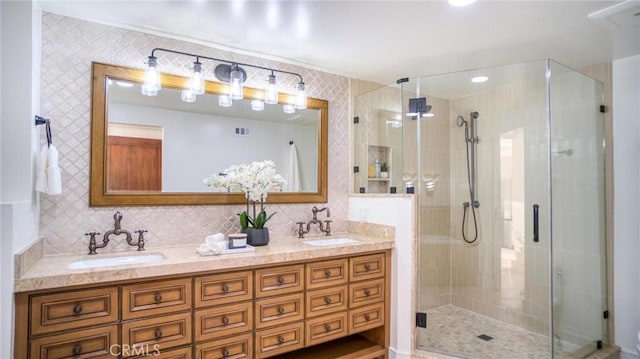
[(244, 220)]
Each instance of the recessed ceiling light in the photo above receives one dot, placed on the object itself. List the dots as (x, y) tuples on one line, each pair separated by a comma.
[(479, 79), (461, 2)]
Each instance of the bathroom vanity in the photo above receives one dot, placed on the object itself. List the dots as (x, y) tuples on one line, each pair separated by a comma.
[(286, 300)]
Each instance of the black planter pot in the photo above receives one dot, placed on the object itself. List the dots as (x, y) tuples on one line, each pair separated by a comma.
[(257, 237)]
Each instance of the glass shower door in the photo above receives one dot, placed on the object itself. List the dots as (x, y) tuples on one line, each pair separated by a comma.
[(577, 167)]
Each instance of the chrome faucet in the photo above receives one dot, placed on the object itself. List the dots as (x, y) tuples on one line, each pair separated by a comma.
[(117, 230), (315, 220)]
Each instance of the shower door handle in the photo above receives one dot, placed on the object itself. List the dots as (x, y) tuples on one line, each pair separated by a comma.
[(535, 223)]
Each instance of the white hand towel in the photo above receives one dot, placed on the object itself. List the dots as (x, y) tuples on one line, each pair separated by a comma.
[(212, 248), (41, 170), (293, 172), (54, 178), (213, 238)]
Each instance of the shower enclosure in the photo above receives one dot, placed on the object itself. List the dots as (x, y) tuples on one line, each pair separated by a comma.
[(509, 175)]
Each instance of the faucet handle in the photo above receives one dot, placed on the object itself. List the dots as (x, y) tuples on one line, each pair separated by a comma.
[(300, 229), (141, 238), (327, 230), (92, 241)]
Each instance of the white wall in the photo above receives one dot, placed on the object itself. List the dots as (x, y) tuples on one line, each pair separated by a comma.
[(397, 211), (626, 162), (20, 77), (190, 153)]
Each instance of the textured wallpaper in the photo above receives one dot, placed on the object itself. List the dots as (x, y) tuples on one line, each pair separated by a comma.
[(68, 48)]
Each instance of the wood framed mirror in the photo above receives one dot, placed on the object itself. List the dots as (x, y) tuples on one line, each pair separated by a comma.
[(158, 150)]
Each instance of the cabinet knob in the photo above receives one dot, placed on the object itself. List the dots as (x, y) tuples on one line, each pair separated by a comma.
[(225, 353), (77, 309), (327, 327), (281, 279), (158, 334), (327, 273), (367, 317), (225, 320), (367, 292), (225, 288), (281, 309), (158, 298), (367, 267), (77, 349), (327, 300), (280, 339)]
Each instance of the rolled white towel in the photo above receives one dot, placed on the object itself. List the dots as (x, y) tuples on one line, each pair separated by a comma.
[(41, 170), (213, 244), (213, 238)]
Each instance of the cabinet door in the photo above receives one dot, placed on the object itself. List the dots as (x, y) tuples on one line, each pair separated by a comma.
[(224, 288), (88, 343), (159, 332), (366, 267), (72, 310), (279, 280), (237, 347), (223, 321), (279, 340), (368, 292), (279, 310), (322, 329), (324, 301), (327, 273), (366, 318), (161, 297)]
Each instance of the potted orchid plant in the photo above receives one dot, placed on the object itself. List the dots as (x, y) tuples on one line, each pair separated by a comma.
[(255, 180)]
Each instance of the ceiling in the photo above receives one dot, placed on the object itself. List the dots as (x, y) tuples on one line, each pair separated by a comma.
[(382, 41)]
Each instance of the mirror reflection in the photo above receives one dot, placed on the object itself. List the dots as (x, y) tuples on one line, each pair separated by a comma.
[(176, 144), (158, 150)]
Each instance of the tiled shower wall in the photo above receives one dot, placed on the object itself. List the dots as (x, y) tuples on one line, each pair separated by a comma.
[(68, 48)]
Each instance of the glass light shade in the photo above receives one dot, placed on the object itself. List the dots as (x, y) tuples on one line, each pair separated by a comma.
[(301, 96), (236, 80), (224, 101), (288, 108), (196, 84), (257, 105), (151, 84), (271, 93), (188, 96)]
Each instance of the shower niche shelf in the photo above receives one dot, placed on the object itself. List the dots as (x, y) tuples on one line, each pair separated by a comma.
[(383, 155)]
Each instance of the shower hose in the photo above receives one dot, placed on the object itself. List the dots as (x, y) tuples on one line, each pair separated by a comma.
[(473, 203)]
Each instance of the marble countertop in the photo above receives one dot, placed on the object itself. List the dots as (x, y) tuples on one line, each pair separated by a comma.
[(52, 272)]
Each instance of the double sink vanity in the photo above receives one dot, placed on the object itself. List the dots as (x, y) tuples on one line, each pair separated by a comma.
[(313, 298)]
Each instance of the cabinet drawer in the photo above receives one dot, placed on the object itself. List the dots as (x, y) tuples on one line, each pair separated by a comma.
[(71, 310), (224, 288), (366, 267), (327, 273), (366, 318), (279, 310), (322, 329), (279, 340), (325, 301), (140, 300), (223, 321), (281, 280), (165, 332), (362, 293), (182, 353), (88, 343), (238, 347)]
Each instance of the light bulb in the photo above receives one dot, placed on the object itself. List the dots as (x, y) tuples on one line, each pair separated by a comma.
[(271, 93), (301, 96), (196, 84), (151, 84), (236, 80), (224, 101), (288, 108), (257, 105), (188, 96)]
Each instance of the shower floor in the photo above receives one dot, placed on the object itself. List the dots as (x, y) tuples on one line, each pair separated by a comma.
[(454, 330)]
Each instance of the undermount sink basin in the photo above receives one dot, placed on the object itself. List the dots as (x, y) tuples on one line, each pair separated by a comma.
[(116, 261), (330, 241)]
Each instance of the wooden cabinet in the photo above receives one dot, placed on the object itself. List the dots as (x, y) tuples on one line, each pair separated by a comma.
[(336, 307)]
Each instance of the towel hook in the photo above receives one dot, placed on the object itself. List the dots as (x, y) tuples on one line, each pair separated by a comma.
[(44, 121), (291, 142)]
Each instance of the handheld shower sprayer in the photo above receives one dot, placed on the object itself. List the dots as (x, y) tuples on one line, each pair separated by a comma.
[(471, 141)]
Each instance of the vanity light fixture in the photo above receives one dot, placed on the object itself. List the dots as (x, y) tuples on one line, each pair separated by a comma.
[(229, 72)]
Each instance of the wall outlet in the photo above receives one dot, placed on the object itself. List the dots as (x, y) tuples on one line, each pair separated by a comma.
[(364, 214), (421, 320)]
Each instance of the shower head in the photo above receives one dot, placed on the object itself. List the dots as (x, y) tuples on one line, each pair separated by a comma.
[(460, 121)]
